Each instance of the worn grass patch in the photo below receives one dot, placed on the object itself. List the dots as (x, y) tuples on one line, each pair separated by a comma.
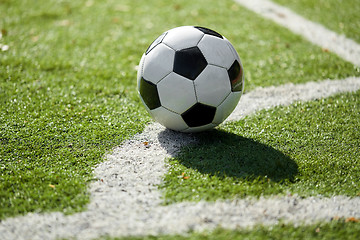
[(306, 149), (338, 15), (68, 76)]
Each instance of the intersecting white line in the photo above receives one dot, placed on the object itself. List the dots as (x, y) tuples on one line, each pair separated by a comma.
[(317, 34), (126, 200), (289, 93)]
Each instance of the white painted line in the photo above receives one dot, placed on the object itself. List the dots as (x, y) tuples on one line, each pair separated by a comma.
[(289, 93), (126, 201), (313, 32)]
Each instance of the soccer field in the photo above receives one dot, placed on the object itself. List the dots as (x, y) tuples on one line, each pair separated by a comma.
[(80, 158)]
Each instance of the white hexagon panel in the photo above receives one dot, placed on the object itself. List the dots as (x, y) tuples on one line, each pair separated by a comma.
[(235, 54), (158, 63), (200, 129), (226, 107), (169, 119), (212, 85), (182, 37), (176, 93), (216, 51), (140, 67)]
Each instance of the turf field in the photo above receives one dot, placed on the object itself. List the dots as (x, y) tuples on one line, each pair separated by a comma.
[(68, 97), (303, 149), (340, 16)]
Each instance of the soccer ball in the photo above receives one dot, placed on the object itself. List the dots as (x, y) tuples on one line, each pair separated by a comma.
[(190, 79)]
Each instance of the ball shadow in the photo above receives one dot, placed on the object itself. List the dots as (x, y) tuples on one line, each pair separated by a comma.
[(226, 154)]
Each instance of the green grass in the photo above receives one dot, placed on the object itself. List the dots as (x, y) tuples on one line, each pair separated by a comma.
[(341, 16), (66, 99), (339, 229), (67, 87), (306, 149)]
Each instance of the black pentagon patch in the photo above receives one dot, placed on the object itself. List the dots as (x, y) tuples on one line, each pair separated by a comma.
[(199, 115), (210, 32), (149, 94), (236, 76), (155, 42), (189, 62)]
